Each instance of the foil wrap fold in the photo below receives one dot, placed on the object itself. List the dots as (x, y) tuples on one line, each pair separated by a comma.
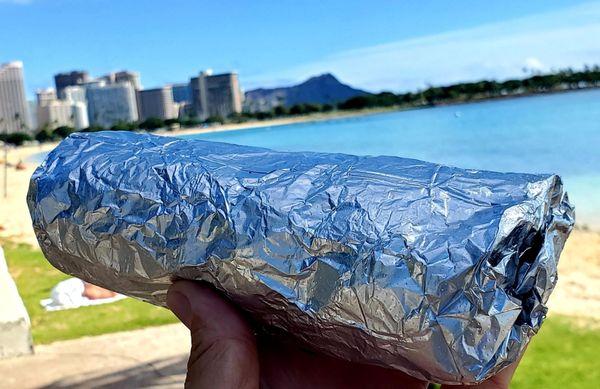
[(440, 272)]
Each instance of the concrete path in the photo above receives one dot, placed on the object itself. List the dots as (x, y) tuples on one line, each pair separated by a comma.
[(151, 357)]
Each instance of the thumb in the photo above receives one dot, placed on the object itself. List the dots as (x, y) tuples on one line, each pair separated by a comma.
[(223, 351)]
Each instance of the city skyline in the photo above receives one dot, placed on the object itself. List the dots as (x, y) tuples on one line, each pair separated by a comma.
[(118, 98), (79, 101), (375, 47)]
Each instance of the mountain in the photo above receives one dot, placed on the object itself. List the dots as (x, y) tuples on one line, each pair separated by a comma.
[(323, 89)]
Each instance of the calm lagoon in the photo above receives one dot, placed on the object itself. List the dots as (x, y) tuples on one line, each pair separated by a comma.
[(557, 133)]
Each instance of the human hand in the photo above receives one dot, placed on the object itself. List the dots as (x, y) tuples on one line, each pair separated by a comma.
[(226, 354)]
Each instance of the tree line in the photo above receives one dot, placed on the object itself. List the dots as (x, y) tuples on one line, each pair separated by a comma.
[(567, 79), (49, 134), (470, 91)]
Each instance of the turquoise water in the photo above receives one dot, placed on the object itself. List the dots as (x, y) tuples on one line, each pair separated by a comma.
[(557, 133)]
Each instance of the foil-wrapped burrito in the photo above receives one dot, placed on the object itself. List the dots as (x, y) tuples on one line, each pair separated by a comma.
[(440, 272)]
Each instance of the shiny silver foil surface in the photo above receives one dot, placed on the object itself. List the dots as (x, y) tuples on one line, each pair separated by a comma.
[(440, 272)]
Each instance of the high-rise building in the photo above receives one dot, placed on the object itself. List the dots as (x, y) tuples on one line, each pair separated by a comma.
[(14, 115), (132, 77), (63, 80), (224, 95), (181, 93), (75, 93), (109, 104), (32, 108), (53, 112), (123, 76), (62, 113), (94, 82), (80, 115), (45, 96), (156, 103), (216, 95), (198, 98), (195, 107)]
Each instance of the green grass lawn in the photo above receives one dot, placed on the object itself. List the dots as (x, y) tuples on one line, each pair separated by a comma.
[(561, 355), (35, 277)]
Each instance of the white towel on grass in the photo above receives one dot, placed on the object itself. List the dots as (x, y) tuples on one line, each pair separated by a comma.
[(68, 294)]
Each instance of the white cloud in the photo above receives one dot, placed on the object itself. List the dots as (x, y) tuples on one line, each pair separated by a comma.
[(532, 64), (557, 39)]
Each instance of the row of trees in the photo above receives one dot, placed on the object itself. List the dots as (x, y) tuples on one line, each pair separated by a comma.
[(281, 111), (562, 80), (469, 91), (47, 134)]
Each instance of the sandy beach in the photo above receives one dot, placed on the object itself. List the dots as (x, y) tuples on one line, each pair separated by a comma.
[(577, 293), (314, 117)]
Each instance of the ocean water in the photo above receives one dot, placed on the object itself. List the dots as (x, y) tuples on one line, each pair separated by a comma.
[(558, 133)]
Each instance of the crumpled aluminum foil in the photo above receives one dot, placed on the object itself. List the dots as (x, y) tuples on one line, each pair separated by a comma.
[(440, 272)]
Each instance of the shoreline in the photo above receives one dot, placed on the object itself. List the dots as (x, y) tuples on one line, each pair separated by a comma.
[(26, 150), (284, 121)]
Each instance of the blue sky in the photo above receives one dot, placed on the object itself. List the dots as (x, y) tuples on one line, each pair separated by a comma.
[(377, 45)]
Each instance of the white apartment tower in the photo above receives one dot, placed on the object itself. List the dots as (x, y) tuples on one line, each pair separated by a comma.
[(63, 113), (54, 113), (14, 115), (45, 96), (111, 103)]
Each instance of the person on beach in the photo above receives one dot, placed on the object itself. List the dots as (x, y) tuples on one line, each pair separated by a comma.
[(225, 353)]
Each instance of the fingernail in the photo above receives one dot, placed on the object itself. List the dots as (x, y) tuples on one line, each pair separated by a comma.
[(179, 304)]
